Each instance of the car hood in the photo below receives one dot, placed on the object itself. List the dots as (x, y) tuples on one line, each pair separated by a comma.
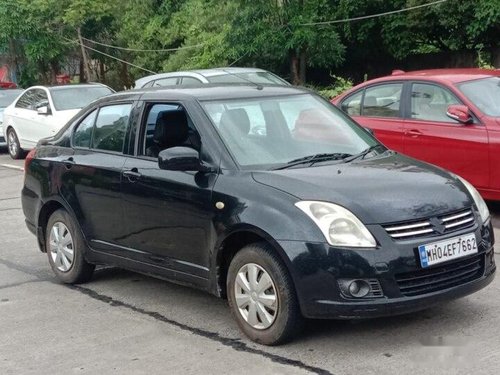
[(377, 190)]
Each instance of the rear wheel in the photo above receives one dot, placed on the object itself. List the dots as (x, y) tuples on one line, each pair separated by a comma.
[(65, 249), (262, 296), (13, 145)]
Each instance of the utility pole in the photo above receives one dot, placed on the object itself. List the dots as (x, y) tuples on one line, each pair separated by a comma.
[(84, 56)]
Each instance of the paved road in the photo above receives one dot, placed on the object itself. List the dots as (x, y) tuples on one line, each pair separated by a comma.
[(127, 323)]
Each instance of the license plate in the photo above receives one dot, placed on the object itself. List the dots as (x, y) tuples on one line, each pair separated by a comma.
[(443, 251)]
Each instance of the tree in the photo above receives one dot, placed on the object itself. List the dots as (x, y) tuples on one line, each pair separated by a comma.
[(273, 32)]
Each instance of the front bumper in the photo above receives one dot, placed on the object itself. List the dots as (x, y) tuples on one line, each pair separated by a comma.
[(316, 267)]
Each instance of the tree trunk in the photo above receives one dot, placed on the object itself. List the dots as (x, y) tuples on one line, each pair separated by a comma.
[(13, 64), (303, 66), (102, 72), (294, 68), (86, 67)]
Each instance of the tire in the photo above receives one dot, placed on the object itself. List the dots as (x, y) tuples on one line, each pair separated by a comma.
[(13, 145), (286, 319), (69, 271)]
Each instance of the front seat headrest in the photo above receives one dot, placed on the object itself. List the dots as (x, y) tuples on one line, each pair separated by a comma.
[(234, 121), (171, 129)]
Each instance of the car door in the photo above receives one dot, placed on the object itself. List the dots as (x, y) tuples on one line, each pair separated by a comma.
[(430, 135), (20, 115), (39, 124), (169, 213), (378, 108), (92, 181)]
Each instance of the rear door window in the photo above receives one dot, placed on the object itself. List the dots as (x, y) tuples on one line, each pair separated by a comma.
[(110, 127), (82, 137), (383, 100), (26, 100), (352, 105)]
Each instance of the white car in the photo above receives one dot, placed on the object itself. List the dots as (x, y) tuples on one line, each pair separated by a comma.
[(40, 112), (6, 98), (228, 75)]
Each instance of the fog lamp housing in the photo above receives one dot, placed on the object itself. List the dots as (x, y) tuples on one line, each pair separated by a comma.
[(360, 288)]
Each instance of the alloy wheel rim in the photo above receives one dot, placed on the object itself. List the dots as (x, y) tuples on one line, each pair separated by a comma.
[(12, 144), (61, 247), (256, 296)]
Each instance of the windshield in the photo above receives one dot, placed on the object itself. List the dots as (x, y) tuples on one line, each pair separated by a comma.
[(77, 97), (254, 77), (484, 93), (268, 132), (8, 96)]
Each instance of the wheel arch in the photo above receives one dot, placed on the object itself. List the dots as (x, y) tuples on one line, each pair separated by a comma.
[(231, 243), (47, 209)]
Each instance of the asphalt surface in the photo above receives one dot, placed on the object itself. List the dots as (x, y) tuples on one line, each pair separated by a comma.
[(126, 323)]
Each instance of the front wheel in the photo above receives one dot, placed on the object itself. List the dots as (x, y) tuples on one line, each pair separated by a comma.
[(13, 145), (65, 249), (262, 296)]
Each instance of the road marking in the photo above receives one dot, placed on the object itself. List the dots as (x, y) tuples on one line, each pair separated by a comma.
[(12, 166)]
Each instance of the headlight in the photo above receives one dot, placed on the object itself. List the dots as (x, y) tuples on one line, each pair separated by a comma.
[(339, 226), (478, 200)]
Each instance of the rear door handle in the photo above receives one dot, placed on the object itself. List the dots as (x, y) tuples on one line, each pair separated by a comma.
[(69, 162), (132, 174), (413, 133)]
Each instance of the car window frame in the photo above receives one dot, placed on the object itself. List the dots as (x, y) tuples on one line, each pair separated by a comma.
[(77, 125), (142, 120), (475, 119), (30, 92), (181, 78), (401, 99), (126, 145)]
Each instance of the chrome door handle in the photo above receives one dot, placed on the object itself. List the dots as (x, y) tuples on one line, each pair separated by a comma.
[(132, 174)]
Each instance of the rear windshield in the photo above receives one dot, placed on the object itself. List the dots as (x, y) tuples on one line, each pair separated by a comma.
[(484, 93), (77, 97)]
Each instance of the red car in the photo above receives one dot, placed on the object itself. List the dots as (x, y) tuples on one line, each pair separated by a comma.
[(447, 117)]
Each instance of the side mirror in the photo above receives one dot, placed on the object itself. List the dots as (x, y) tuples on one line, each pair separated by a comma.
[(181, 159), (43, 110), (459, 113)]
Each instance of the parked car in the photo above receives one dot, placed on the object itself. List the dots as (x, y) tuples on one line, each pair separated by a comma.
[(447, 117), (6, 98), (42, 111), (308, 217), (207, 76)]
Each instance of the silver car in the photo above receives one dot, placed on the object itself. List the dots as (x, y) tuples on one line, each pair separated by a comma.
[(206, 76)]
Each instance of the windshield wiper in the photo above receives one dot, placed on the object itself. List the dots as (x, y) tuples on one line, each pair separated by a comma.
[(313, 159), (362, 154)]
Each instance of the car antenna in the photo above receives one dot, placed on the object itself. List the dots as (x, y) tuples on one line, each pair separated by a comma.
[(257, 85)]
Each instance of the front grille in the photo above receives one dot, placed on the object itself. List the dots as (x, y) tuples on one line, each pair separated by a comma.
[(431, 227), (441, 277)]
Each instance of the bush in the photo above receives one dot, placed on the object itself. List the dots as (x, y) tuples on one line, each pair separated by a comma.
[(339, 85)]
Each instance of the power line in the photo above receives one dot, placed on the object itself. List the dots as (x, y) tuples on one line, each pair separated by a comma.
[(110, 56), (144, 50), (372, 15)]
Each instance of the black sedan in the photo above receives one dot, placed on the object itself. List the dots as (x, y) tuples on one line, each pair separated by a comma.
[(268, 196)]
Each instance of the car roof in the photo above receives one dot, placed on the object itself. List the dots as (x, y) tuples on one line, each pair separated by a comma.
[(62, 87), (200, 72), (206, 92), (442, 75)]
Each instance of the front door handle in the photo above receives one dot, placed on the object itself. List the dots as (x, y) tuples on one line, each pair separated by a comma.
[(132, 174), (69, 162), (414, 133)]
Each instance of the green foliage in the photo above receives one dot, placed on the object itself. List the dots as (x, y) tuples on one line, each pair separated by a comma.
[(339, 85), (272, 34)]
